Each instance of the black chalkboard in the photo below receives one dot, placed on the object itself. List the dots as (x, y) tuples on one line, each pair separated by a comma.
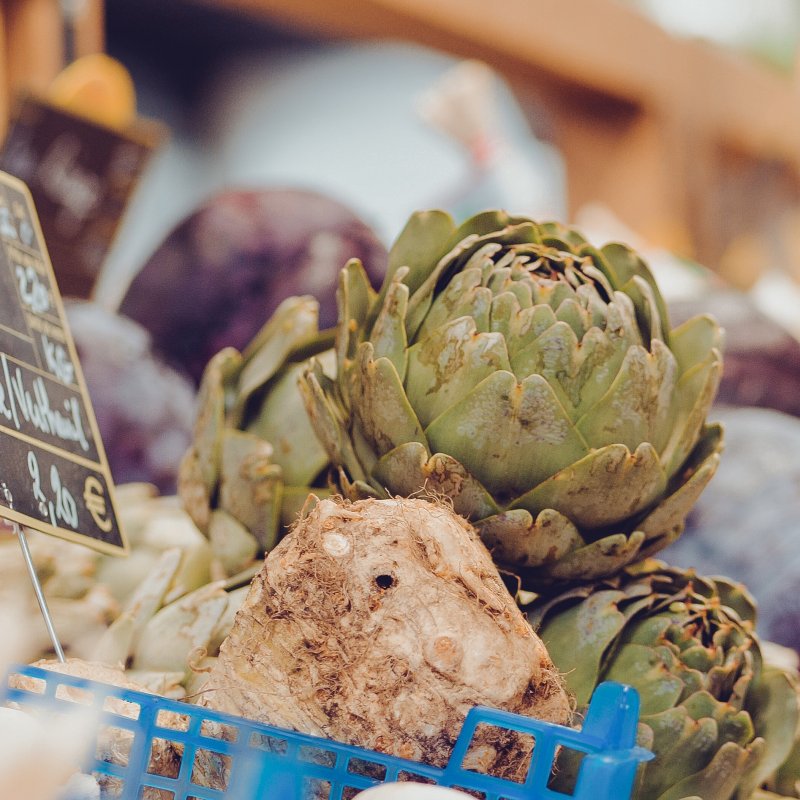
[(52, 464), (81, 175)]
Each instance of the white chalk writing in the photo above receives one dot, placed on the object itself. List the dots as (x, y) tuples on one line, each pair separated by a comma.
[(66, 181), (58, 360), (32, 405), (64, 508), (32, 290)]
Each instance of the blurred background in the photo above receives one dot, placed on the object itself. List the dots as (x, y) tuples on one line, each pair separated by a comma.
[(299, 133)]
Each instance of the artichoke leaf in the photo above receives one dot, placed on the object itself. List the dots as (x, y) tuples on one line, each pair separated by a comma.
[(527, 325), (232, 544), (692, 340), (718, 780), (409, 469), (626, 265), (696, 391), (250, 484), (380, 404), (598, 559), (571, 312), (293, 323), (449, 363), (515, 538), (670, 513), (464, 296), (506, 312), (558, 233), (388, 336), (604, 487), (512, 435), (193, 490), (772, 701), (327, 417), (648, 668), (636, 407), (578, 637), (211, 409), (736, 598), (355, 297), (426, 237), (493, 223), (681, 740), (555, 356), (283, 421), (787, 779)]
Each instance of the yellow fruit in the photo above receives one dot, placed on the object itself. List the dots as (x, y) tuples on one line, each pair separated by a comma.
[(97, 87)]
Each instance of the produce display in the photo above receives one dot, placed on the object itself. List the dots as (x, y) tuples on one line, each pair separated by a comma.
[(453, 499)]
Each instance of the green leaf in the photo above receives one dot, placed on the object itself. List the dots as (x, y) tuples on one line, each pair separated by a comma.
[(718, 780), (449, 363), (682, 746), (294, 322), (607, 486), (422, 242), (409, 469), (250, 484), (210, 419), (772, 701), (695, 393), (355, 298), (638, 402), (509, 435), (379, 403), (692, 340), (578, 637), (388, 335), (283, 422), (598, 559), (626, 264), (516, 539)]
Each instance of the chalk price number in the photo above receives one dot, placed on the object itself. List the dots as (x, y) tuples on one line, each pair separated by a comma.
[(64, 508)]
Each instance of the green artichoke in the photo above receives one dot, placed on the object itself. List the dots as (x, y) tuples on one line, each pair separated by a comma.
[(718, 719), (533, 379), (254, 457)]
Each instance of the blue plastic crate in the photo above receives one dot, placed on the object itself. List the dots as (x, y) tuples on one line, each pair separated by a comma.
[(260, 762)]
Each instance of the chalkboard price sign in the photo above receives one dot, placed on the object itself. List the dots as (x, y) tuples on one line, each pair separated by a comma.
[(52, 464), (82, 175)]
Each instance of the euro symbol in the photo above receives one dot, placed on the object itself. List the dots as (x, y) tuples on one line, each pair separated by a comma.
[(96, 503)]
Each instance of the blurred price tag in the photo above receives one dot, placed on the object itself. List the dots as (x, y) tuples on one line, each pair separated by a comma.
[(81, 174), (51, 457)]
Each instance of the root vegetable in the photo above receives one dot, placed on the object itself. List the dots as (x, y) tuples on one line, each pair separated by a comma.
[(381, 623)]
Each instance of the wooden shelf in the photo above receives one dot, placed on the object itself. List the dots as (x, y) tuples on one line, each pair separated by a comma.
[(654, 126)]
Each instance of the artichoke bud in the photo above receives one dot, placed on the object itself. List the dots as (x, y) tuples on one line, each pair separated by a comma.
[(253, 444), (534, 380), (709, 706)]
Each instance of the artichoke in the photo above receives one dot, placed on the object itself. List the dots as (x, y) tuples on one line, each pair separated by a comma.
[(254, 456), (719, 720), (531, 378)]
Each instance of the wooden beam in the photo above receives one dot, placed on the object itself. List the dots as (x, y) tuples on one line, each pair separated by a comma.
[(600, 45)]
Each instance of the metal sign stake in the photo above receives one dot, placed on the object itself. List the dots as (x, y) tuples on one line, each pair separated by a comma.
[(37, 587)]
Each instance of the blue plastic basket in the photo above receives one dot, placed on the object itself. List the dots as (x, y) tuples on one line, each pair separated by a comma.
[(260, 762)]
